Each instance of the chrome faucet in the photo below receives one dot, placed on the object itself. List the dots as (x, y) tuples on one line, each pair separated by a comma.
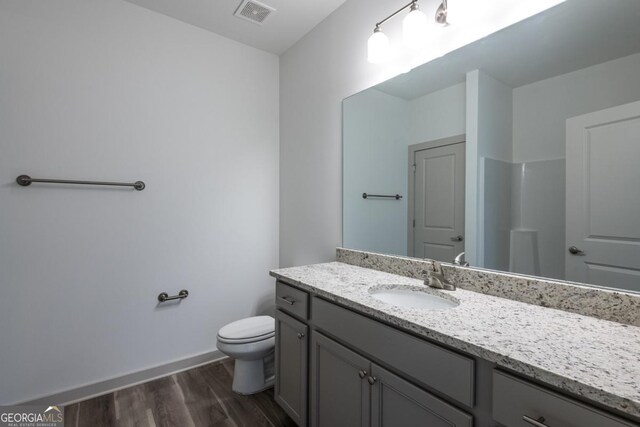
[(459, 260), (437, 280)]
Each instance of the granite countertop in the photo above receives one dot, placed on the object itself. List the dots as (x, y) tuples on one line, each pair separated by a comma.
[(593, 358)]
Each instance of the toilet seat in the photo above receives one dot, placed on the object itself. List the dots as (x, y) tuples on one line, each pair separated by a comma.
[(251, 343), (246, 340), (251, 329)]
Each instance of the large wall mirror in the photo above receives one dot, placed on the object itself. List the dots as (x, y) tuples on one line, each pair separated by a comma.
[(521, 150)]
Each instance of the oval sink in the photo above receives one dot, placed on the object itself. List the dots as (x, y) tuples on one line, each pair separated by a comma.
[(402, 296)]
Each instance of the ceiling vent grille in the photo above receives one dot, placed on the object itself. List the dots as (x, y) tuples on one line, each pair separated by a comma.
[(254, 11)]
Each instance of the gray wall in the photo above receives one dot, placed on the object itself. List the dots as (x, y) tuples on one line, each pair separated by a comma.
[(108, 90)]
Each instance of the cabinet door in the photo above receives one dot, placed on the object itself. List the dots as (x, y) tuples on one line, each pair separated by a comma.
[(339, 389), (398, 403), (291, 367)]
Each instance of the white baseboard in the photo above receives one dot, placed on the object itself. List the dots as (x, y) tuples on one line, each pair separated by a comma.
[(118, 383)]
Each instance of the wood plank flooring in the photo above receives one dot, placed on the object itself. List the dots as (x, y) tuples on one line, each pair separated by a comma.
[(198, 397)]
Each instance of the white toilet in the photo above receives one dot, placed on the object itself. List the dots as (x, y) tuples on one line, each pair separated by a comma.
[(251, 343)]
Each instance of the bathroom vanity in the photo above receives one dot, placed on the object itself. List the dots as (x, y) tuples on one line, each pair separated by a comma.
[(346, 358)]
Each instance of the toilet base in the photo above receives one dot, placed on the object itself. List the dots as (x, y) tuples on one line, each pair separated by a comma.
[(250, 376)]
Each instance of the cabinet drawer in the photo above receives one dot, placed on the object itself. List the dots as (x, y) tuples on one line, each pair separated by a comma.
[(516, 400), (429, 364), (292, 300)]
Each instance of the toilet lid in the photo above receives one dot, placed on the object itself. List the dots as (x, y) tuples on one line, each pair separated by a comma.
[(251, 327)]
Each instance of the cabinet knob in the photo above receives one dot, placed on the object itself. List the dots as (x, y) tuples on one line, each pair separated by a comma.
[(300, 335), (372, 380), (362, 373)]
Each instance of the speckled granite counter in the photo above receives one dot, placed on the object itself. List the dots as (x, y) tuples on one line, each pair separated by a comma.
[(608, 304), (593, 358)]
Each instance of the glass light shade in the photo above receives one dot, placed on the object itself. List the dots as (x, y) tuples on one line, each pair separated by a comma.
[(415, 29), (378, 47)]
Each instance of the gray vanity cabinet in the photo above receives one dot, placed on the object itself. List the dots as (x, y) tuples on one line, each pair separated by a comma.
[(426, 364), (291, 366), (396, 402), (349, 390), (340, 393)]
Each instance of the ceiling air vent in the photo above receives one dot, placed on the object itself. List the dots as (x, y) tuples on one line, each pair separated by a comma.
[(254, 11)]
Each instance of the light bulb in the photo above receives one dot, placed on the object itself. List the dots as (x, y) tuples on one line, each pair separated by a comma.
[(415, 28), (378, 47)]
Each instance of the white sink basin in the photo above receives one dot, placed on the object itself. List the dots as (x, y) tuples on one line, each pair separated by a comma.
[(403, 296)]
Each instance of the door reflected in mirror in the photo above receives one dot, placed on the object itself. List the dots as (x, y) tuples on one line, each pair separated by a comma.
[(520, 150), (436, 199)]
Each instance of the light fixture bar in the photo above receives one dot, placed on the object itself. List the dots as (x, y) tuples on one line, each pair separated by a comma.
[(414, 28), (413, 3)]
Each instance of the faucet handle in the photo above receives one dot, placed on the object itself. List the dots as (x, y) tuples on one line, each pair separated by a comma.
[(439, 282), (460, 260), (435, 278)]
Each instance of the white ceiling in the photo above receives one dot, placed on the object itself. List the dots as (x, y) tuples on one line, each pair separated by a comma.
[(573, 35), (288, 24)]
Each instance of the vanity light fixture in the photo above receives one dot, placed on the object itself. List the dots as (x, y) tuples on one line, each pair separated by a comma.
[(415, 29), (378, 47)]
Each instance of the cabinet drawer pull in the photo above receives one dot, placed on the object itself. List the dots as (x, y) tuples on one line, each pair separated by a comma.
[(300, 335), (362, 373), (372, 380), (288, 300), (538, 423)]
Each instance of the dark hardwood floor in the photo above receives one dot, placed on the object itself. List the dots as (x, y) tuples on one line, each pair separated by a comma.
[(194, 398)]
